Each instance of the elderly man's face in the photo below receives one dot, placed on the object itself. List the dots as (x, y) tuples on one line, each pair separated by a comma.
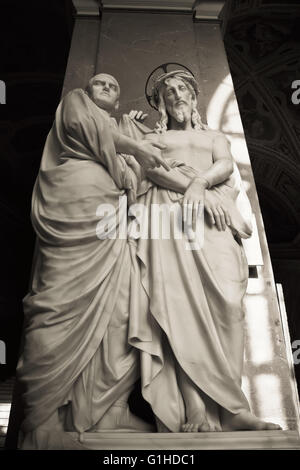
[(178, 99), (104, 90)]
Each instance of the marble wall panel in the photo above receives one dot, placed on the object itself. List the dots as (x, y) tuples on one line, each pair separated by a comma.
[(132, 45)]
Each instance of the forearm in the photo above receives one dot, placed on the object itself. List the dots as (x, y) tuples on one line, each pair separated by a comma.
[(218, 172), (124, 144), (173, 180)]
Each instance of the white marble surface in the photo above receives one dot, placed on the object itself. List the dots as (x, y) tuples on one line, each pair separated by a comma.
[(192, 441)]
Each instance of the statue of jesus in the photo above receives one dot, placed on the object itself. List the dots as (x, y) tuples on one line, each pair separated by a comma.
[(190, 333)]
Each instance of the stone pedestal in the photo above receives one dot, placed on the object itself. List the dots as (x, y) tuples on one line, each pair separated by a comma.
[(241, 440)]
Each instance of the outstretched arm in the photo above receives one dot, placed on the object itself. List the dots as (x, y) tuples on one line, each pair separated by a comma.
[(173, 180), (147, 154)]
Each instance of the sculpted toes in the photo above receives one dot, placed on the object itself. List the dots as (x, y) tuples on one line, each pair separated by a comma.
[(204, 427), (273, 426), (217, 428)]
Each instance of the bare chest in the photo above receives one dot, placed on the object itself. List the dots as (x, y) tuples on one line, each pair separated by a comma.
[(191, 147)]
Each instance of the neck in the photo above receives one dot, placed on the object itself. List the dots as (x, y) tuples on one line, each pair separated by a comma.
[(106, 111), (98, 106), (186, 125)]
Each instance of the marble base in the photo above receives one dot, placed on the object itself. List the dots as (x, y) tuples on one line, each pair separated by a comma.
[(191, 441)]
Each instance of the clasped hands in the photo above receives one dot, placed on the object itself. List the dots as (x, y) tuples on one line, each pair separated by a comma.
[(197, 197)]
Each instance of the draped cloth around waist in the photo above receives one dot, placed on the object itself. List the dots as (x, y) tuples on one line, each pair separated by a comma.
[(187, 304)]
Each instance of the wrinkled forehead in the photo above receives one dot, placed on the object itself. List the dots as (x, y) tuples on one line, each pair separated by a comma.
[(106, 77)]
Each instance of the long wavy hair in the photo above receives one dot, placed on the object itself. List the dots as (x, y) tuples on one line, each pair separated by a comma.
[(158, 97)]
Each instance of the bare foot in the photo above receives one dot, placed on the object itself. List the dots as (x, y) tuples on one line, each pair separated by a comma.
[(119, 418), (196, 422), (246, 421)]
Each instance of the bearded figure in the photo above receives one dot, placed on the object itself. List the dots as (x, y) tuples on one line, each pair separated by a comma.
[(187, 319)]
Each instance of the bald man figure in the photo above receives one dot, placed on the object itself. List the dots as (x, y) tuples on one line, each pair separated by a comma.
[(77, 368)]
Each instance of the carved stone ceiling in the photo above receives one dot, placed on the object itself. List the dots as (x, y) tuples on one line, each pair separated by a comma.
[(263, 47)]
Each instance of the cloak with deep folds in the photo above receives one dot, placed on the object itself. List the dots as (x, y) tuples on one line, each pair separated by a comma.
[(75, 348), (187, 304)]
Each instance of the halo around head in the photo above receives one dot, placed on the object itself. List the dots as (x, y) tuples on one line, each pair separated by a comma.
[(156, 80)]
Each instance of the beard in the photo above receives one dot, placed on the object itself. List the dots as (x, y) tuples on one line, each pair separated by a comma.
[(179, 115)]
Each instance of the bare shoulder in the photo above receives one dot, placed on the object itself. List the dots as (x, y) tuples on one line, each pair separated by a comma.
[(207, 134), (219, 136)]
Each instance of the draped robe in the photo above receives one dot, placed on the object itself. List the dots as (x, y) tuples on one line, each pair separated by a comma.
[(81, 343), (187, 305), (76, 312)]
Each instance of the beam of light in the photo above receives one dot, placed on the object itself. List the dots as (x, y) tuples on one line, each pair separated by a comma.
[(4, 417), (268, 397), (223, 114), (246, 387), (217, 104), (255, 286), (260, 346)]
